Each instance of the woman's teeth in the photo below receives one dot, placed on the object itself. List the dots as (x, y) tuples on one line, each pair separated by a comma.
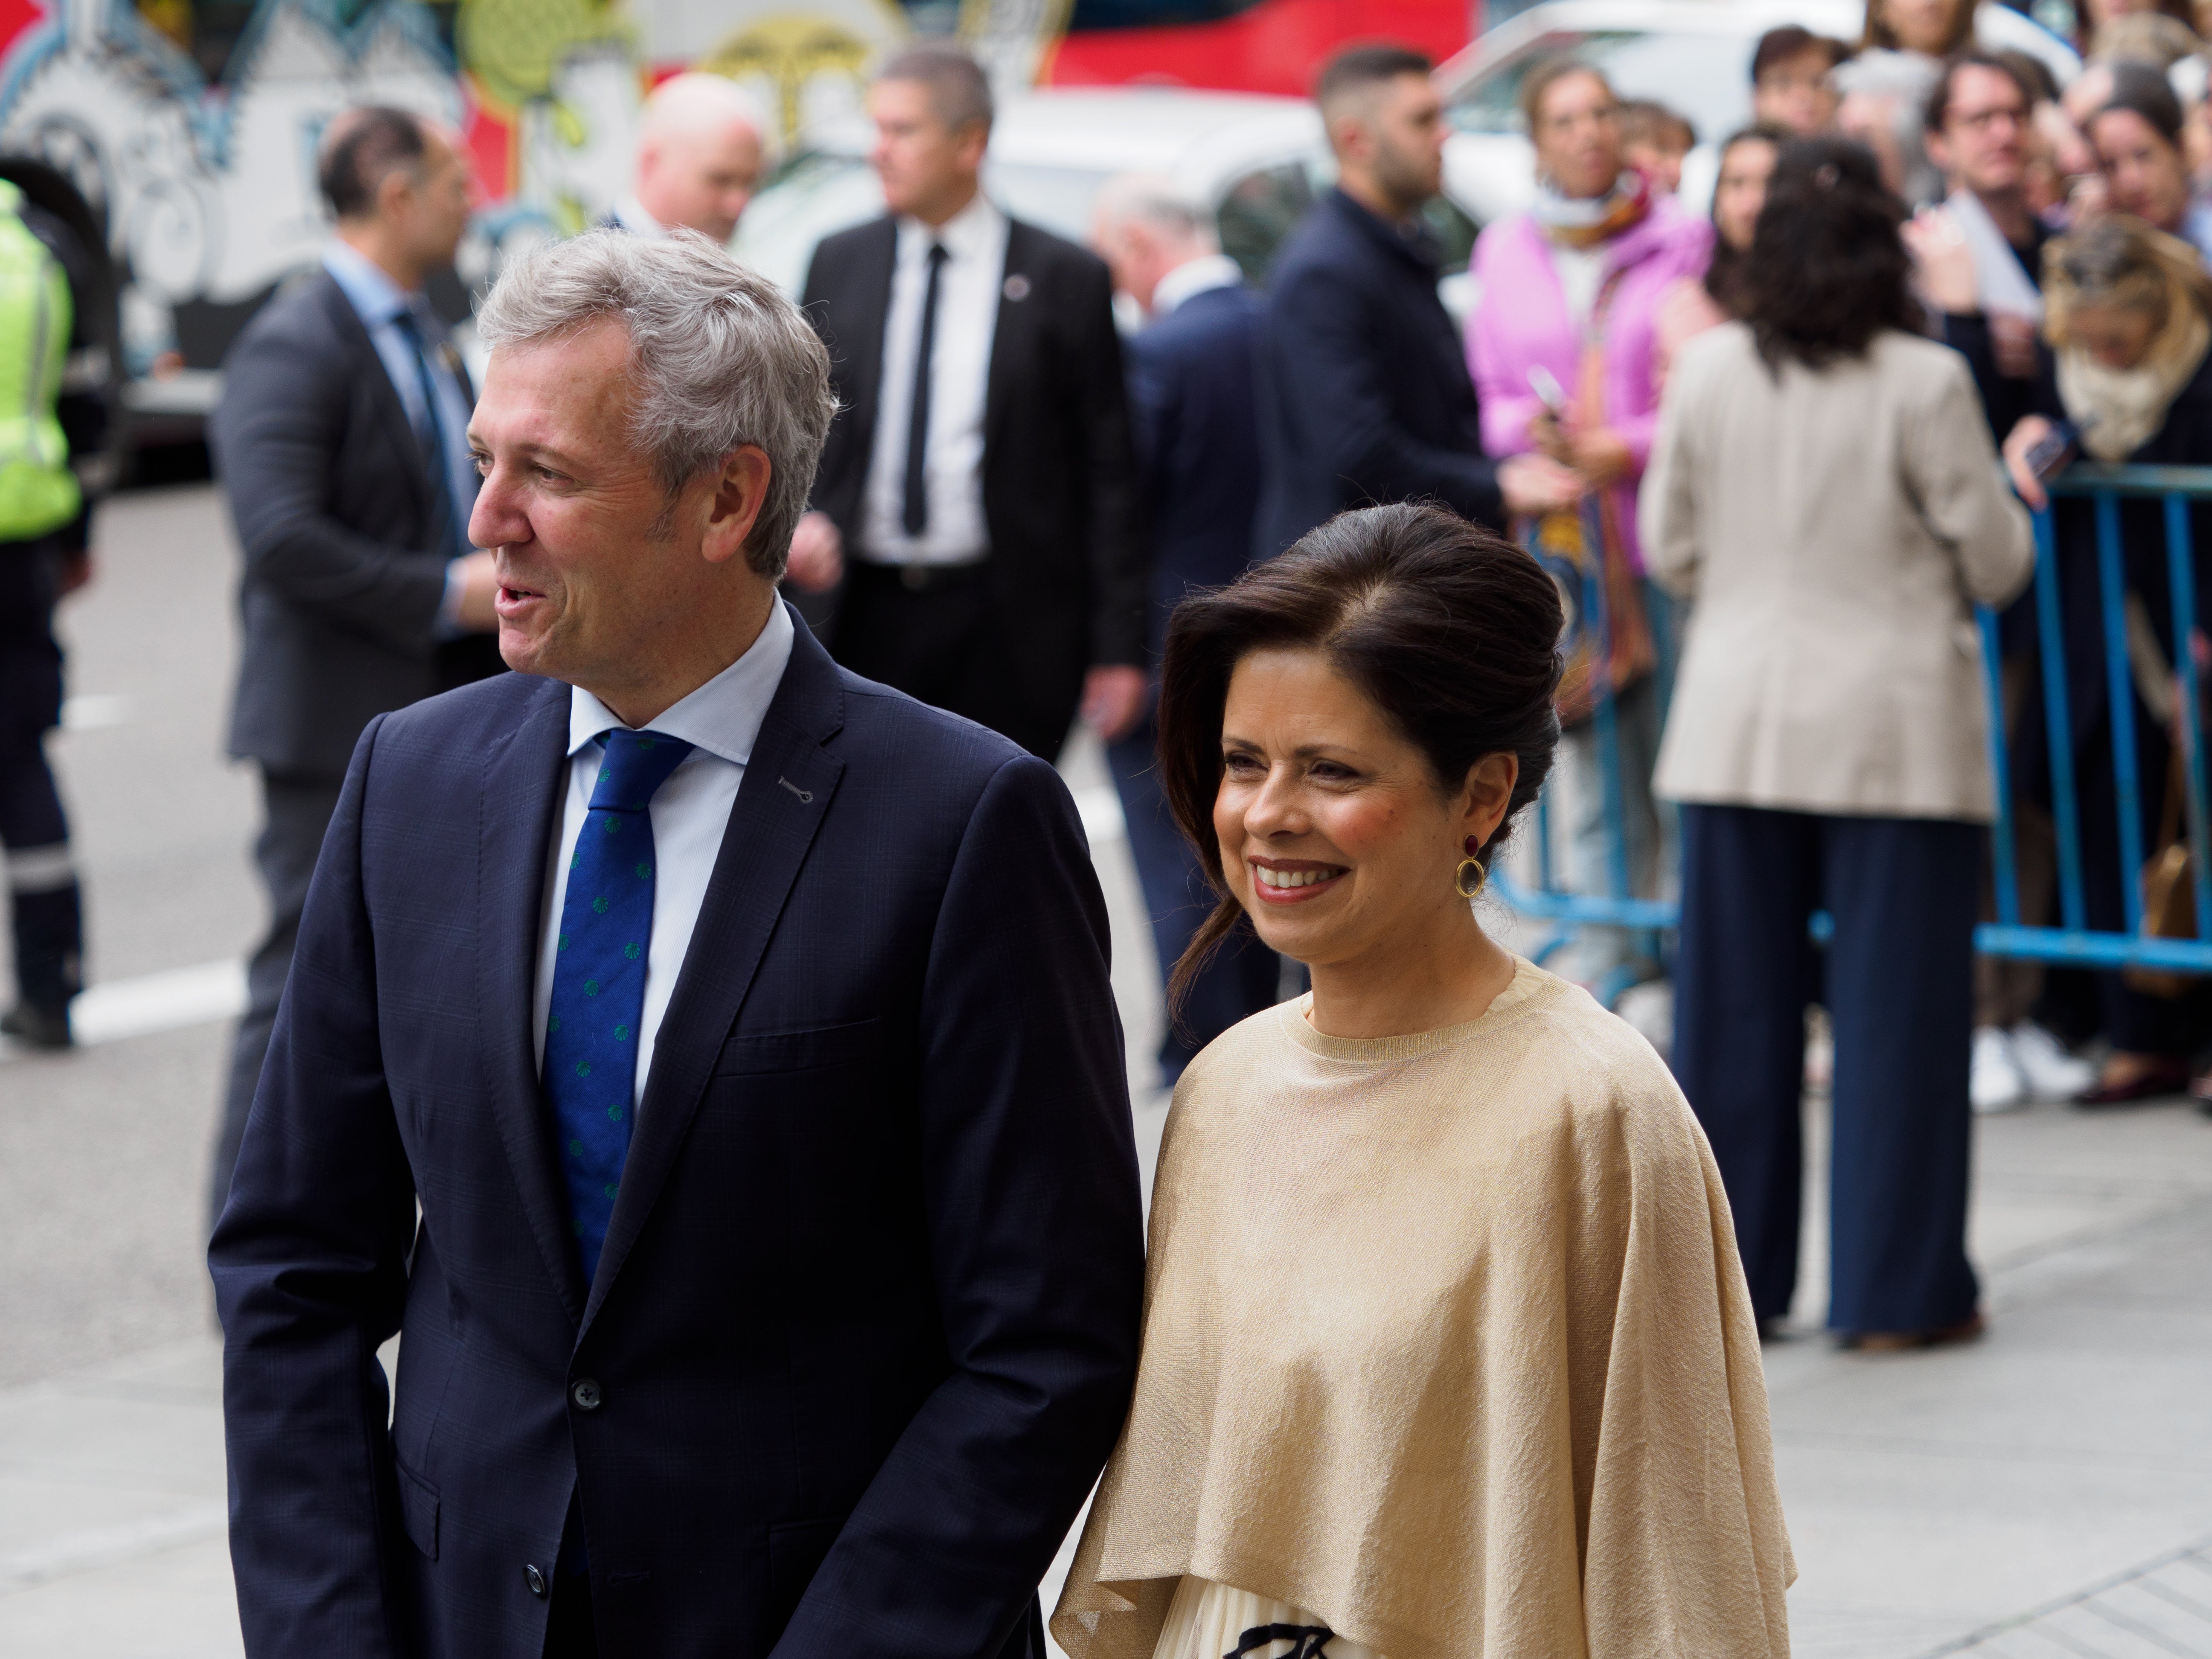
[(1292, 878)]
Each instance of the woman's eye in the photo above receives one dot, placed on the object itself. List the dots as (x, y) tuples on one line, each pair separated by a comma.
[(1242, 765)]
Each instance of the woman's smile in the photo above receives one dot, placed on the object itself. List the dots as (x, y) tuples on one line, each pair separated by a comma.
[(1293, 881)]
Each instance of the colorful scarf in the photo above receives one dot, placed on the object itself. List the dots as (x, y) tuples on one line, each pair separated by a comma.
[(1581, 222)]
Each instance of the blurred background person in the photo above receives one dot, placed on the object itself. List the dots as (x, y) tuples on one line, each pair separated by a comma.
[(1696, 301), (2094, 19), (342, 443), (56, 469), (1823, 487), (1365, 392), (1980, 254), (1793, 80), (977, 496), (702, 146), (2129, 318), (2137, 137), (1571, 292), (1193, 413), (1655, 141), (1886, 86), (1979, 259)]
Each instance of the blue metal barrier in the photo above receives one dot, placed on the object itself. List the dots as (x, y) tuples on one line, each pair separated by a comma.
[(2072, 941)]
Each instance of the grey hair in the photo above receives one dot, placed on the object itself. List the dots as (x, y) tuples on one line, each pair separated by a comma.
[(719, 357), (1153, 199), (959, 91)]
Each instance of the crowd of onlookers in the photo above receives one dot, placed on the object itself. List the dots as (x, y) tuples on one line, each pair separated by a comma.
[(1785, 419)]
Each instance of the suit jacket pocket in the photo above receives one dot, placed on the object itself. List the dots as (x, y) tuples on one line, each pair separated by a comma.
[(749, 1054), (418, 1509)]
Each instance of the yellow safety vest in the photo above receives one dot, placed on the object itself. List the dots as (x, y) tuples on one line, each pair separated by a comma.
[(37, 491)]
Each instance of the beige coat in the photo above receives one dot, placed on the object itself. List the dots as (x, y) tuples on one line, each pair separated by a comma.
[(1836, 528), (1446, 1344)]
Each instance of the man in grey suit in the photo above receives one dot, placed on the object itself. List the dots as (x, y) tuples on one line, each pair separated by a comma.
[(342, 442)]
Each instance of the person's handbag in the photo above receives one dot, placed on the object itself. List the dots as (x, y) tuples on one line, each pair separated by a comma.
[(1606, 644), (2169, 890)]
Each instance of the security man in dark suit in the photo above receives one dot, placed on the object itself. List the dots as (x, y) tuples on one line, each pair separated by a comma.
[(342, 443), (1193, 408), (1364, 382), (758, 1209), (977, 496)]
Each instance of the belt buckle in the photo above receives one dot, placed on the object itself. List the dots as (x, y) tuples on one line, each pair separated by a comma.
[(913, 577)]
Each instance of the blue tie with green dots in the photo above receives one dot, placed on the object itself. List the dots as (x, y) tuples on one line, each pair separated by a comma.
[(598, 980)]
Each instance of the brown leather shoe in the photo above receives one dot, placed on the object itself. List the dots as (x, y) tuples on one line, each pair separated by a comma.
[(1911, 1341)]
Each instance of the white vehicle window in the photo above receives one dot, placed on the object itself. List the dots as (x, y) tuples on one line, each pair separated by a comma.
[(1707, 77), (1056, 198)]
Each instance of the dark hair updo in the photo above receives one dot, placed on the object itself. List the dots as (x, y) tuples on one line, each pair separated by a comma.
[(1828, 270), (1450, 630)]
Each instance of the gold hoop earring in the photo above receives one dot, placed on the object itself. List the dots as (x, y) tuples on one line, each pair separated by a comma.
[(1460, 877)]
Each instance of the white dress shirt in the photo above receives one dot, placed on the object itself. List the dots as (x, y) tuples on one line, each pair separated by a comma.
[(967, 293), (1192, 278), (690, 811)]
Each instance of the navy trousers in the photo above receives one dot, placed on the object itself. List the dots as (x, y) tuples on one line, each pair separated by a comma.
[(1899, 993), (1243, 975)]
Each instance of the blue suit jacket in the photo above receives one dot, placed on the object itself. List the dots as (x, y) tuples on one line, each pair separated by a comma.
[(866, 1325), (1194, 411), (1365, 379)]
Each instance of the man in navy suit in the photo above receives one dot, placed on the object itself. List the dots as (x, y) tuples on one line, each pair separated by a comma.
[(823, 1358), (1194, 415)]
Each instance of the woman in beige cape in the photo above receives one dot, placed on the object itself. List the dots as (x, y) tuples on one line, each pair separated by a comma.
[(1447, 1351)]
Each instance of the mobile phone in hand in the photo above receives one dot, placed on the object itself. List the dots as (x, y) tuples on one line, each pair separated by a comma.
[(1545, 384), (2053, 452)]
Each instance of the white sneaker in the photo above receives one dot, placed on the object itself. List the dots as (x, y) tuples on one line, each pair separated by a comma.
[(2048, 1071), (1997, 1084)]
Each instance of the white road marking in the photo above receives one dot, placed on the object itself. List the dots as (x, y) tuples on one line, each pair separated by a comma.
[(167, 1001), (92, 711)]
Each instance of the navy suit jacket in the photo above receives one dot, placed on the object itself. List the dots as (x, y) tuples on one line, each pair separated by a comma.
[(1194, 412), (866, 1325), (1366, 386)]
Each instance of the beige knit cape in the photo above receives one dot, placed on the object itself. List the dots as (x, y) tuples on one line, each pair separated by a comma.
[(1446, 1341)]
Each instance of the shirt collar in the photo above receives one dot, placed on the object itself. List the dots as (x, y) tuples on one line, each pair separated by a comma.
[(968, 235), (367, 285), (630, 214), (723, 716), (1196, 276)]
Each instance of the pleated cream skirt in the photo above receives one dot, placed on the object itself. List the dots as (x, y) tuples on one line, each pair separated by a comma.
[(1209, 1621)]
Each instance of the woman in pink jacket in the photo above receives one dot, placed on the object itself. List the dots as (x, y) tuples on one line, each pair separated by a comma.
[(1561, 346)]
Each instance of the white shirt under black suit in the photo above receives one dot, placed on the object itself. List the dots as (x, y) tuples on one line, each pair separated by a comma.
[(969, 288)]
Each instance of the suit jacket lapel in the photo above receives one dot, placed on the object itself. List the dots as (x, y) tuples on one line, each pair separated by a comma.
[(523, 783), (863, 374), (1012, 339), (786, 789), (369, 366)]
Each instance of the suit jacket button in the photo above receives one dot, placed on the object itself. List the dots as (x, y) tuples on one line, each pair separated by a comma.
[(535, 1579), (586, 1392)]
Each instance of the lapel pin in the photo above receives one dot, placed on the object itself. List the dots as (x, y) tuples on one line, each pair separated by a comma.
[(1018, 287), (805, 796)]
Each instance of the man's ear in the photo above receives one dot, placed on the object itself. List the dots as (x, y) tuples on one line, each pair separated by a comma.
[(740, 490)]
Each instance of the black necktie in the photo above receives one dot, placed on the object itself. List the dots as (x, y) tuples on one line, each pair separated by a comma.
[(916, 516)]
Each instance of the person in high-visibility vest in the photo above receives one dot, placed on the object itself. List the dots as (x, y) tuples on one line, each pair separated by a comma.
[(50, 414)]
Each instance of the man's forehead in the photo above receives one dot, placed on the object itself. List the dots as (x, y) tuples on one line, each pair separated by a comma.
[(565, 391)]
